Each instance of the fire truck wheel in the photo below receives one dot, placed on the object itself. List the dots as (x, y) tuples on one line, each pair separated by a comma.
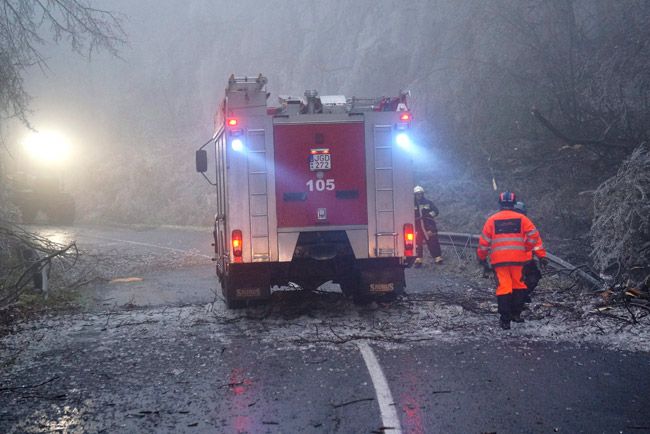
[(361, 297), (349, 286), (227, 290), (235, 304), (391, 296)]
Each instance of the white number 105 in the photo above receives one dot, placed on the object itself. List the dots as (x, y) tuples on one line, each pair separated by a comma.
[(321, 184)]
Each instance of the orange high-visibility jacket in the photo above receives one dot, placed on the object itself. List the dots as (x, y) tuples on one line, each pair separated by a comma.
[(509, 238)]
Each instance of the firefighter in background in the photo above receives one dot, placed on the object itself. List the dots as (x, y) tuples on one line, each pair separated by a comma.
[(425, 227), (530, 272), (506, 240)]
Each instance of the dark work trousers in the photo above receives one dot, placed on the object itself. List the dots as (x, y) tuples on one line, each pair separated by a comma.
[(432, 243), (511, 305)]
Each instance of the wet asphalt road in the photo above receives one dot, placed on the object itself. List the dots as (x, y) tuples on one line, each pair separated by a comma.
[(157, 353)]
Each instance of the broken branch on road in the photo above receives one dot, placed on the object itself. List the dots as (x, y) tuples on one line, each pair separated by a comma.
[(343, 404), (31, 386)]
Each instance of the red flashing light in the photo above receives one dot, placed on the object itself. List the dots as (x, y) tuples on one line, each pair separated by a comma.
[(405, 117), (232, 122), (237, 245), (409, 239)]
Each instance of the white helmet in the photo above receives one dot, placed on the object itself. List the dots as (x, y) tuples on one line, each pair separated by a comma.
[(418, 189)]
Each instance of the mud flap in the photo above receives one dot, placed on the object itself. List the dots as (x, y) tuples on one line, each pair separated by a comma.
[(244, 283), (380, 280)]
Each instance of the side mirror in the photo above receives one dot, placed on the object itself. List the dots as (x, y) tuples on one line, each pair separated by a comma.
[(201, 161)]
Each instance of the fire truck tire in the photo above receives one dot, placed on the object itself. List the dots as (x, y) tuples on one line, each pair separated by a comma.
[(387, 275), (349, 286), (227, 290), (391, 296), (361, 299), (235, 304)]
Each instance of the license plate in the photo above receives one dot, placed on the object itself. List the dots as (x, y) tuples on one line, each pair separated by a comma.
[(320, 159), (381, 287)]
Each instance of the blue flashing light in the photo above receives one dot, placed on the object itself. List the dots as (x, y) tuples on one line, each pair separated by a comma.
[(403, 140), (237, 145)]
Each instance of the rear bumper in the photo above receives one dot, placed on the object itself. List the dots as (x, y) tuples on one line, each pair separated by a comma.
[(280, 273)]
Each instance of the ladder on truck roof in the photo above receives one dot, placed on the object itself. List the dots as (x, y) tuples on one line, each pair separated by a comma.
[(246, 84)]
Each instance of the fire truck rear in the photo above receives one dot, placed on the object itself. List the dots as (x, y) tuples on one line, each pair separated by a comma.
[(318, 189)]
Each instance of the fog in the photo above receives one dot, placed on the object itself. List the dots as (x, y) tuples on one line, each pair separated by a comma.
[(164, 90), (475, 70), (155, 103)]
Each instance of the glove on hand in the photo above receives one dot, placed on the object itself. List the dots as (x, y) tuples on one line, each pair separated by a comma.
[(429, 233), (543, 263), (486, 268)]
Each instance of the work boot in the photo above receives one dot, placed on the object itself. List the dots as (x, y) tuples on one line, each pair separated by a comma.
[(517, 318), (418, 263), (505, 324), (438, 260)]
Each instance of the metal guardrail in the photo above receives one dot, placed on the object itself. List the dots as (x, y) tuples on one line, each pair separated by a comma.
[(469, 241)]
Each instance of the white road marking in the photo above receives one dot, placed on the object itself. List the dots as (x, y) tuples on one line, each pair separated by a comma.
[(389, 417), (137, 243)]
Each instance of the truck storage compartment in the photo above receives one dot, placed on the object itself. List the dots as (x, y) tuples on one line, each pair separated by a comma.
[(320, 174)]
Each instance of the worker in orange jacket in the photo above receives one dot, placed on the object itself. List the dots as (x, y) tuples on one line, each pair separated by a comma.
[(507, 240), (530, 272)]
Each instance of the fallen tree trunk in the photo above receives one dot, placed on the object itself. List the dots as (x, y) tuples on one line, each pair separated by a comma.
[(24, 256), (620, 230)]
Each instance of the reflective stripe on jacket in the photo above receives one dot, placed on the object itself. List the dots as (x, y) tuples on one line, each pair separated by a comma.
[(425, 212), (509, 238)]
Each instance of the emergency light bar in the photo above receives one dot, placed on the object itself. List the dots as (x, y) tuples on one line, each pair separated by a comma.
[(404, 121), (237, 145), (236, 141), (403, 140)]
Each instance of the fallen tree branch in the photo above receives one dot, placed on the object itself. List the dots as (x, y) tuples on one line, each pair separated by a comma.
[(569, 140), (343, 404), (31, 386)]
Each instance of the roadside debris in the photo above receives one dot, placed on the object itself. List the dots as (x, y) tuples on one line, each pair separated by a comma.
[(626, 302), (28, 260)]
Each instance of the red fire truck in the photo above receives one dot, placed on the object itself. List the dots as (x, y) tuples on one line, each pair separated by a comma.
[(317, 189)]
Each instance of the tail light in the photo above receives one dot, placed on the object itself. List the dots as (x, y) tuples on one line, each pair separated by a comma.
[(237, 244), (409, 239)]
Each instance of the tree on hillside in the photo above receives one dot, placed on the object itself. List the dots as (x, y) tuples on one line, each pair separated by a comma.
[(621, 229), (24, 25), (583, 66), (25, 28)]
